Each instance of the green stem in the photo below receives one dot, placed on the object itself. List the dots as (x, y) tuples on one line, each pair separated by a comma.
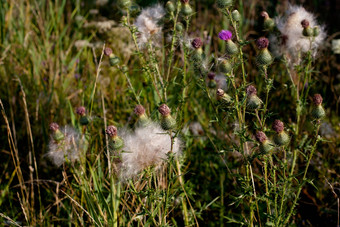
[(304, 175)]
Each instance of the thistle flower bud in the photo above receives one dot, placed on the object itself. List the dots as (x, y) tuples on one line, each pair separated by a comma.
[(316, 31), (268, 23), (225, 66), (318, 111), (113, 59), (167, 121), (170, 7), (115, 142), (251, 90), (222, 4), (231, 47), (56, 133), (262, 43), (142, 120), (139, 110), (111, 131), (197, 43), (307, 30), (264, 57), (81, 110), (179, 27), (236, 15), (281, 138), (125, 4), (186, 8), (317, 99), (265, 144), (212, 82), (253, 101), (108, 51), (223, 98), (164, 110)]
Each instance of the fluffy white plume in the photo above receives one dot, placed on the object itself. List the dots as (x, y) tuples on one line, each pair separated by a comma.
[(147, 24), (144, 147), (70, 147), (291, 42)]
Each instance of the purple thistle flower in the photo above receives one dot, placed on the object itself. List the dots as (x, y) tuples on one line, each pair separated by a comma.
[(225, 35)]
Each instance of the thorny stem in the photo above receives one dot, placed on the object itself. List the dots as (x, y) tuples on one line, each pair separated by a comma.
[(140, 55), (317, 139), (130, 85)]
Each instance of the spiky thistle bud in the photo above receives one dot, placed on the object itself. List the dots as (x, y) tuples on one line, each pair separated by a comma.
[(236, 15), (81, 111), (307, 30), (142, 119), (179, 27), (265, 144), (211, 82), (197, 45), (167, 121), (318, 111), (125, 4), (113, 59), (223, 98), (170, 7), (225, 66), (231, 47), (56, 133), (264, 57), (268, 23), (186, 8), (281, 138), (222, 4), (316, 31), (253, 101), (115, 142)]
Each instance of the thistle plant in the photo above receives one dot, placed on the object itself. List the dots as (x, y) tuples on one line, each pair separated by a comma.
[(168, 116)]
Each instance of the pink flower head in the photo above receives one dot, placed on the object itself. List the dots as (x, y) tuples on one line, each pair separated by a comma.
[(225, 35)]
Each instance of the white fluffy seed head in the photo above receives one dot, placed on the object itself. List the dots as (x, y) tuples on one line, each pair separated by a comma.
[(70, 147), (146, 146), (291, 42), (147, 24)]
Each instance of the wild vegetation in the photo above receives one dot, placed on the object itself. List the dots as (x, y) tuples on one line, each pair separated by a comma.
[(175, 113)]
